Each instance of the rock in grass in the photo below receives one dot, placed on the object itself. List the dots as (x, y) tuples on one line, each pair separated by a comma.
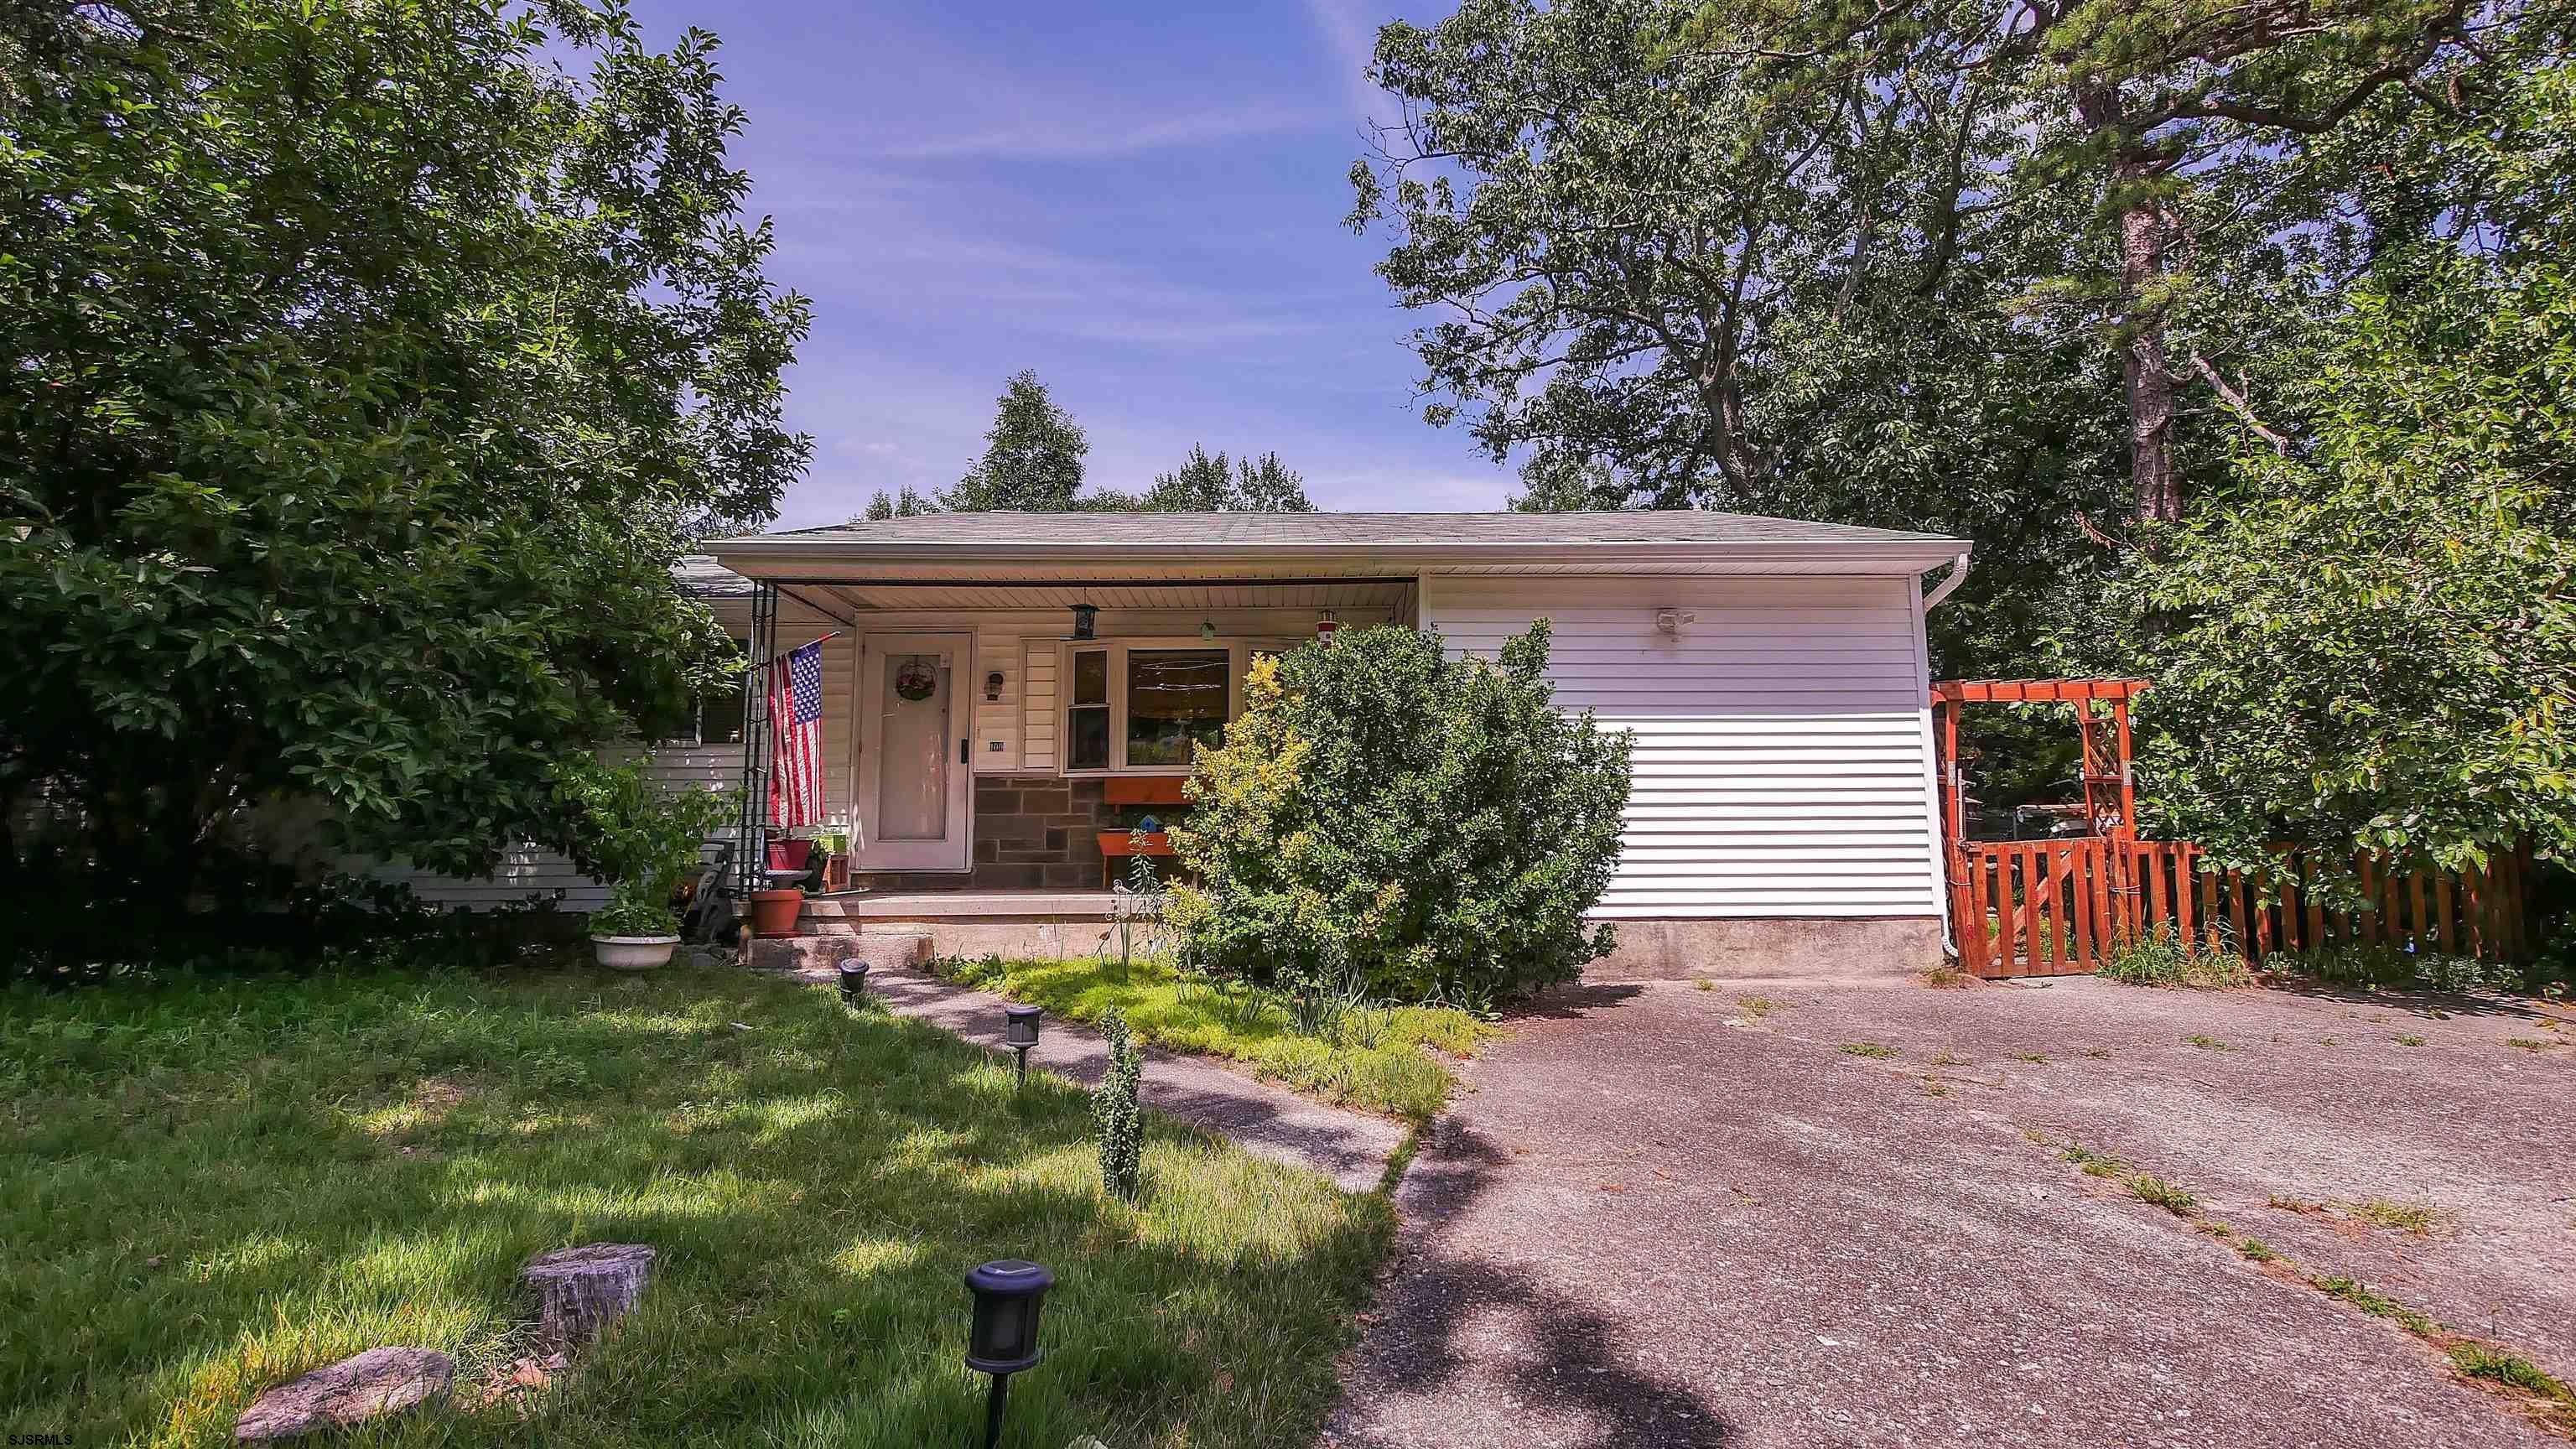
[(375, 1383), (580, 1291)]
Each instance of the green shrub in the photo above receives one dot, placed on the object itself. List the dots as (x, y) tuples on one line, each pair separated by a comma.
[(2162, 957), (1386, 823), (1115, 1117), (638, 835), (2358, 963)]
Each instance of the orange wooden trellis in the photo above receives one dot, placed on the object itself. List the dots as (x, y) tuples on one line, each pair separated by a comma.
[(2062, 906)]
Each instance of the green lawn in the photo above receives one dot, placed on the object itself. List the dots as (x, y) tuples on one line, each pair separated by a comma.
[(1372, 1058), (211, 1187)]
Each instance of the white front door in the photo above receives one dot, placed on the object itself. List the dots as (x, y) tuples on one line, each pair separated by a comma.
[(916, 793)]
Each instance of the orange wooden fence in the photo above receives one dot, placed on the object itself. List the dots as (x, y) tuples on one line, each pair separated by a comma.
[(2057, 907)]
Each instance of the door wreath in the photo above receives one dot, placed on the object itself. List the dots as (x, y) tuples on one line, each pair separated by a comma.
[(914, 681)]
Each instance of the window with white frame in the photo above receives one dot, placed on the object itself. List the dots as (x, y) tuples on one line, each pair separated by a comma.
[(1141, 706)]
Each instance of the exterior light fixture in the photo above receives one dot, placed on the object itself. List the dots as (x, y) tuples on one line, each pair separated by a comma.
[(1325, 624), (993, 687), (854, 982), (1207, 631), (1004, 1339), (1020, 1034), (1084, 617)]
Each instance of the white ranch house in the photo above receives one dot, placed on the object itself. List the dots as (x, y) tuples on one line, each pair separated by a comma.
[(1784, 818)]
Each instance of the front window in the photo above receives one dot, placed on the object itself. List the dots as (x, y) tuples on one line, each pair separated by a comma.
[(1086, 713), (1176, 698), (1146, 704)]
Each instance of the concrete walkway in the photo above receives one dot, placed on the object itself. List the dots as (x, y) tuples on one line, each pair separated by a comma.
[(1349, 1147)]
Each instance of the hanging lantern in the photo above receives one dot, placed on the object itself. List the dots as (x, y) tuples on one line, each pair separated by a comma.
[(1084, 616)]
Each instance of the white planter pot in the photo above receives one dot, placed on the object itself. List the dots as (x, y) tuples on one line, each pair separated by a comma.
[(634, 953)]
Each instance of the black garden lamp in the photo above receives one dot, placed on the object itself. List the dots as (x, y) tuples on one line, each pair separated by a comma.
[(1020, 1033), (1004, 1339), (854, 983)]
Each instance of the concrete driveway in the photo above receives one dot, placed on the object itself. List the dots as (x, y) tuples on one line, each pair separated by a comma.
[(1665, 1215)]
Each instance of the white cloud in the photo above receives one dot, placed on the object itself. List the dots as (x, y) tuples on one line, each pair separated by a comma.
[(1076, 136)]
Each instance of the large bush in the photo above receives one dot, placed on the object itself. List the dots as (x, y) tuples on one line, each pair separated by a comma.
[(1386, 821), (368, 367)]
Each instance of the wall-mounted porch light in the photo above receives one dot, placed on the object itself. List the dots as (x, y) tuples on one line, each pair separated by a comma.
[(1084, 616), (993, 687), (1325, 624), (1004, 1338)]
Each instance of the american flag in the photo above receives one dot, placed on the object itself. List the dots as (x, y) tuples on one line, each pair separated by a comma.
[(796, 715)]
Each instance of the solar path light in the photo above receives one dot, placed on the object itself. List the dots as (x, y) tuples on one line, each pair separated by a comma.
[(1004, 1338), (1020, 1034), (854, 983)]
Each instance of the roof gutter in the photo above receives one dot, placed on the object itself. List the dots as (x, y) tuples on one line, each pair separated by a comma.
[(758, 557), (1950, 581)]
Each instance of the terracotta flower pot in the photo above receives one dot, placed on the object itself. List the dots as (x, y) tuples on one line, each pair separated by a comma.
[(773, 912)]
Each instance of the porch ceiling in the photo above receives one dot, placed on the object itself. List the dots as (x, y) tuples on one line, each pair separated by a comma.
[(1203, 594)]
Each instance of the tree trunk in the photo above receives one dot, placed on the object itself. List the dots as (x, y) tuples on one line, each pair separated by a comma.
[(2146, 376)]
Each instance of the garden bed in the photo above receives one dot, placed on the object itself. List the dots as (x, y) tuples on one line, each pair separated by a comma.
[(1379, 1059)]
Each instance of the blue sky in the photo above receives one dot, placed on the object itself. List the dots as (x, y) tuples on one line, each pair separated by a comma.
[(1141, 201)]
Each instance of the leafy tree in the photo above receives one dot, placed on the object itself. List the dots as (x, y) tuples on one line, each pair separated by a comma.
[(909, 503), (2185, 121), (2371, 643), (1386, 820), (1214, 485), (1032, 459), (367, 374), (1663, 287)]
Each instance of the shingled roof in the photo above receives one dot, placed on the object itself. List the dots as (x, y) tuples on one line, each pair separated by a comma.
[(1358, 530)]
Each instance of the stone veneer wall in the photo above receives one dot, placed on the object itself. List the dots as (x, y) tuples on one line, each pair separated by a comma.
[(1032, 832)]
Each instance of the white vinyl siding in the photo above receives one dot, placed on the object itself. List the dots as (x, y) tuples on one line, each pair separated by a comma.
[(1782, 739), (1039, 662)]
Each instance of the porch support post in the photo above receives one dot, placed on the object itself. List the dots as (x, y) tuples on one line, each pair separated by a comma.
[(753, 855)]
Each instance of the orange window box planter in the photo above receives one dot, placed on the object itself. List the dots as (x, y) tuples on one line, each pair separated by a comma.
[(1117, 845)]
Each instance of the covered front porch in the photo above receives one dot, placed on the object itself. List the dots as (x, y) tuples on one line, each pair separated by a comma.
[(985, 745)]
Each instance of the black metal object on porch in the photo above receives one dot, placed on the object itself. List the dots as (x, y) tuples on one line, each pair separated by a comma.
[(752, 858)]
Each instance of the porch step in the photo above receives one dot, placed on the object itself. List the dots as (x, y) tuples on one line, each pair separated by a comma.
[(820, 955)]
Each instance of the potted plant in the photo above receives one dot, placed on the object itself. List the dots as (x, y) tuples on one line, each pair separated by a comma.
[(642, 838), (632, 934)]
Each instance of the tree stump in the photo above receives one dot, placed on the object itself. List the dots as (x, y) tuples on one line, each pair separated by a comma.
[(580, 1291)]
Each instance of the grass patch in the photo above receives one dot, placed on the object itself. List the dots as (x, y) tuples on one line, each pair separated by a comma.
[(2531, 1044), (2255, 1250), (1369, 1057), (1877, 1051), (2095, 1164), (2172, 1197), (2377, 1305), (2404, 1217), (210, 1187), (1948, 1059), (1948, 978), (2357, 963), (1757, 1007), (2037, 1058), (2162, 957), (2207, 1043), (2098, 1053), (2410, 1041)]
